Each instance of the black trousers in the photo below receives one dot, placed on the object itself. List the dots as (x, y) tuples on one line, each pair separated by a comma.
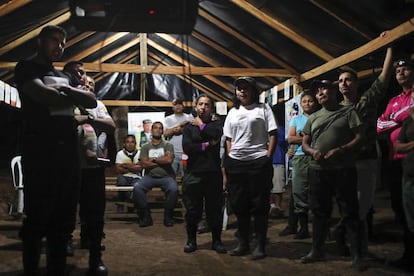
[(92, 199), (341, 184), (51, 192), (249, 191), (204, 188)]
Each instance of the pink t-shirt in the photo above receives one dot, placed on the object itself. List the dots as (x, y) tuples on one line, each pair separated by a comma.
[(398, 109)]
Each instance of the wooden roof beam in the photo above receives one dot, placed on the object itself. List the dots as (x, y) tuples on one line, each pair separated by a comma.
[(33, 33), (97, 46), (245, 40), (12, 5), (375, 44), (288, 31), (351, 22), (188, 79)]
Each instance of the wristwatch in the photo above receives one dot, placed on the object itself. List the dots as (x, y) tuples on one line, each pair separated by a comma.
[(91, 118)]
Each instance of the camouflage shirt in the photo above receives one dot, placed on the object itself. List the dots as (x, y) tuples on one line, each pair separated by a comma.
[(366, 108)]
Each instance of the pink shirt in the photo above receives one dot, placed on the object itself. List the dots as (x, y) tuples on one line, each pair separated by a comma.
[(398, 109)]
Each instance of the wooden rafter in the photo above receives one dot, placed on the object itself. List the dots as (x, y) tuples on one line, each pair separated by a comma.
[(375, 44), (98, 46), (216, 96), (186, 64), (78, 38), (344, 18), (246, 41), (226, 52), (283, 28), (169, 70), (33, 33), (12, 5)]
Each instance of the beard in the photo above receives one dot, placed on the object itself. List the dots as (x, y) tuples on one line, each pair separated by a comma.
[(156, 137)]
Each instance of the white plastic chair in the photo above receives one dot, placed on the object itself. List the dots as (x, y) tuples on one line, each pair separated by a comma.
[(17, 175)]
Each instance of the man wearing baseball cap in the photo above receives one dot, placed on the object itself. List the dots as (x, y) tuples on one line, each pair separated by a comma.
[(389, 123)]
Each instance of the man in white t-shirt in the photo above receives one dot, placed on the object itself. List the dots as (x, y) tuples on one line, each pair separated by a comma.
[(174, 125), (127, 165)]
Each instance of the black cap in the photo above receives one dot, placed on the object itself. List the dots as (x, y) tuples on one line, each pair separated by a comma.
[(404, 62), (251, 81), (318, 84)]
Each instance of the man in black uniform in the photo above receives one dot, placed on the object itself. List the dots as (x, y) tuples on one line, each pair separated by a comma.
[(49, 153), (203, 178)]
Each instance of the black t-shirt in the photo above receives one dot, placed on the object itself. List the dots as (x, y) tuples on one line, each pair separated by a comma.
[(46, 139), (36, 116)]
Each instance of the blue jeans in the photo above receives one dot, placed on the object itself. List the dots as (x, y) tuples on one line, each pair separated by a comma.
[(177, 164), (123, 180), (167, 184)]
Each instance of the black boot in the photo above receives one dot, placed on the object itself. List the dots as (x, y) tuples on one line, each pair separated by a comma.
[(303, 232), (84, 242), (144, 217), (96, 265), (260, 227), (243, 235), (168, 218), (352, 227), (32, 249), (370, 224), (363, 235), (292, 226), (56, 255), (406, 262), (320, 228), (217, 245), (191, 244), (340, 239), (259, 250)]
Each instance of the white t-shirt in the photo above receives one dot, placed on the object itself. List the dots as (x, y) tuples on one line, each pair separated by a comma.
[(249, 127), (122, 158), (177, 140)]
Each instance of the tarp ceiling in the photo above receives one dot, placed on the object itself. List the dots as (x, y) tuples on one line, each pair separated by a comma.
[(275, 41)]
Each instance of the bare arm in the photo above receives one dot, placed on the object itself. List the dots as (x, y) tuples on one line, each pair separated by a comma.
[(122, 168), (293, 137), (272, 144), (176, 129), (147, 162), (387, 67), (401, 147), (228, 144), (43, 94)]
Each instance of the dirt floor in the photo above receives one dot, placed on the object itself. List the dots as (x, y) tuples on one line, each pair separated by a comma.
[(158, 250)]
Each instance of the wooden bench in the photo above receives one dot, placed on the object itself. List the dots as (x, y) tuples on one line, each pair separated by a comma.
[(110, 186), (154, 196)]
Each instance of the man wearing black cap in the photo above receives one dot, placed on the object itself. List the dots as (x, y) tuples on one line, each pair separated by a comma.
[(389, 123), (331, 137)]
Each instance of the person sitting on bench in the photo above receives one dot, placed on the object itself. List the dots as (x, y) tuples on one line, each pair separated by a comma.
[(156, 158), (128, 166)]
